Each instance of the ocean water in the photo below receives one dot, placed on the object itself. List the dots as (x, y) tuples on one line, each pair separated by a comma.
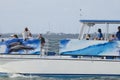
[(53, 45), (21, 77)]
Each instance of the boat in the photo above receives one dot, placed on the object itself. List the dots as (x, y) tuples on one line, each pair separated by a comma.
[(77, 57)]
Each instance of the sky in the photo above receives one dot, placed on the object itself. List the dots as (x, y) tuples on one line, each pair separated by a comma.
[(58, 16)]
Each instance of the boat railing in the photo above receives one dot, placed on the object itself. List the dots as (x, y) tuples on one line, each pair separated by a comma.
[(48, 48), (95, 57)]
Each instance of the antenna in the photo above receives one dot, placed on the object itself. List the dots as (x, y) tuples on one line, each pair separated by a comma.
[(80, 12)]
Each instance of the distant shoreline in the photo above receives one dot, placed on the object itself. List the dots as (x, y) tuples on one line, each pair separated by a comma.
[(49, 36)]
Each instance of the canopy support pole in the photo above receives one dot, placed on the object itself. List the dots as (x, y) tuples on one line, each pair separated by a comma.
[(81, 32), (107, 32)]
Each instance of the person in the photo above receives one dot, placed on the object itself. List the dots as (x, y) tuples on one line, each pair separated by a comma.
[(112, 37), (118, 33), (26, 34), (88, 37), (100, 35), (42, 39), (0, 38), (14, 36)]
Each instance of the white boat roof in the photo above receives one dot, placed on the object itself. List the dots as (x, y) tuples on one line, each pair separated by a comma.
[(100, 21)]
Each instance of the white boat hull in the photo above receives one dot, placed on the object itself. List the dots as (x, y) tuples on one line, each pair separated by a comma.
[(59, 65)]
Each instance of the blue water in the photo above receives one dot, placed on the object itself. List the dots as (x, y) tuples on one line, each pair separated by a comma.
[(53, 41)]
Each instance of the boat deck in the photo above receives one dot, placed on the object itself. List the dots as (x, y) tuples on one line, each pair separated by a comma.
[(60, 57)]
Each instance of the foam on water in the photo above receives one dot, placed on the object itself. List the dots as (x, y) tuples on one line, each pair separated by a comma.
[(23, 77), (30, 77), (14, 75), (54, 78)]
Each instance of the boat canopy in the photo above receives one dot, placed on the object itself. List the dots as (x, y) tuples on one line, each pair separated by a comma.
[(91, 23), (101, 21)]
